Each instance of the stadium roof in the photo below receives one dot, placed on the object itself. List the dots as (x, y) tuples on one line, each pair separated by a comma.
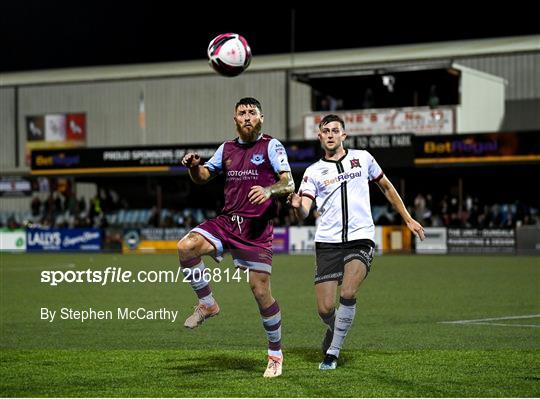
[(359, 56)]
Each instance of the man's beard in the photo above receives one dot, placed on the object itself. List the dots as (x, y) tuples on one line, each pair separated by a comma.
[(249, 135)]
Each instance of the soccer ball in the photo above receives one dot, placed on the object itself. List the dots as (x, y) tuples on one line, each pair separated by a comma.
[(229, 54)]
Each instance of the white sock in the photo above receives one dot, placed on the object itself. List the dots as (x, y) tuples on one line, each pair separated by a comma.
[(344, 319)]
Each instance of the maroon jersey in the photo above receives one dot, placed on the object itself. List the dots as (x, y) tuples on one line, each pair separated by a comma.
[(246, 165)]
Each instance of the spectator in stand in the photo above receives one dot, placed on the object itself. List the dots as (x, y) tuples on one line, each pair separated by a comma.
[(58, 203), (81, 205), (154, 219), (36, 206), (115, 199), (419, 208), (12, 223), (433, 99), (168, 221), (95, 210), (188, 221), (368, 101), (71, 204)]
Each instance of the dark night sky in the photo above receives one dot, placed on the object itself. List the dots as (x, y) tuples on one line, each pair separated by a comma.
[(51, 34)]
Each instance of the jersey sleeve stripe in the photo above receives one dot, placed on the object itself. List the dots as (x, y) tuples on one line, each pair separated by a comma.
[(308, 195), (378, 178)]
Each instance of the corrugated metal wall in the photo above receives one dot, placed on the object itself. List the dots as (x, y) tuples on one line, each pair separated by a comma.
[(522, 71), (7, 128), (177, 110), (300, 104), (200, 109)]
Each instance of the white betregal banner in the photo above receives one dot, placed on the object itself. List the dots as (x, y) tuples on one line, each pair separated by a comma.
[(422, 120), (435, 242)]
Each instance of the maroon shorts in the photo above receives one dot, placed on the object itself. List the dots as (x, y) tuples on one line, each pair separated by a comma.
[(249, 240)]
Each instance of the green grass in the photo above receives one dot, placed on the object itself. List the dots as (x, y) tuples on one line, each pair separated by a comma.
[(397, 346)]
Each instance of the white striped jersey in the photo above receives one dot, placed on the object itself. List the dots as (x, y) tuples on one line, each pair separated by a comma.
[(341, 192)]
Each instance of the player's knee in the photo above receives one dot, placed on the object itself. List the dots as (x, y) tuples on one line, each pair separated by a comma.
[(186, 248), (181, 246), (348, 293), (260, 292)]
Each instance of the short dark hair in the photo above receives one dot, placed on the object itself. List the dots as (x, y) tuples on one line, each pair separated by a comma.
[(331, 118), (248, 101)]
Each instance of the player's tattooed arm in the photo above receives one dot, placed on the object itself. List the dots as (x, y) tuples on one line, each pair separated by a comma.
[(285, 186)]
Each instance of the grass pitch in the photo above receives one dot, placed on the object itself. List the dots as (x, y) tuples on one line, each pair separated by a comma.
[(397, 346)]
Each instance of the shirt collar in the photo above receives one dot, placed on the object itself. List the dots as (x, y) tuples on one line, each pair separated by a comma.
[(245, 142)]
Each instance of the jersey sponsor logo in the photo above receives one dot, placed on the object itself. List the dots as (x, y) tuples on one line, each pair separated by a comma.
[(355, 163), (257, 159), (243, 173), (342, 177)]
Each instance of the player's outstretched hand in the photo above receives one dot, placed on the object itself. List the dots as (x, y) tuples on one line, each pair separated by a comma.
[(416, 228), (191, 160), (295, 200), (257, 195)]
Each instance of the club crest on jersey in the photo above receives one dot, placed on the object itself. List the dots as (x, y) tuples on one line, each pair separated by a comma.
[(257, 159), (355, 163)]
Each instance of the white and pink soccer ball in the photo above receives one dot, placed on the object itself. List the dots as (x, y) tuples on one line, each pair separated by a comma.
[(229, 54)]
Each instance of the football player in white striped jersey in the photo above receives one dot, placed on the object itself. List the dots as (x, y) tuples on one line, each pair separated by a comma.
[(339, 185)]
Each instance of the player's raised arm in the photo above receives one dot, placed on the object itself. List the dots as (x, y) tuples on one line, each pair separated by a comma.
[(393, 197), (198, 173), (201, 174), (283, 187)]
